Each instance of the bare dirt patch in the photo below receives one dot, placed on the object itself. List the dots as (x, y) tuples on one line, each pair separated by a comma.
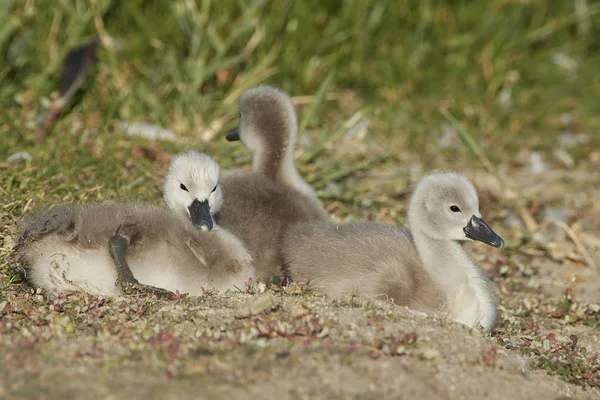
[(294, 343)]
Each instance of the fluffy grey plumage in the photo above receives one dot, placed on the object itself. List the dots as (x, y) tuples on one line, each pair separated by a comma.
[(372, 259), (67, 248), (259, 212), (258, 207), (268, 128), (424, 268)]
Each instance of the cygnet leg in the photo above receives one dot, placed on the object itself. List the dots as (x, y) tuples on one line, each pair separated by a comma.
[(125, 279), (118, 247)]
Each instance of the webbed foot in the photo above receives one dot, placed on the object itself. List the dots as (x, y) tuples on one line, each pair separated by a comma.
[(125, 279)]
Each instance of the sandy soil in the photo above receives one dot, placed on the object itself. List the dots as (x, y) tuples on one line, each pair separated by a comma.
[(294, 343)]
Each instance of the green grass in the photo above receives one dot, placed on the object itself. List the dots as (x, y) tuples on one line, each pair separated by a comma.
[(411, 68), (183, 64)]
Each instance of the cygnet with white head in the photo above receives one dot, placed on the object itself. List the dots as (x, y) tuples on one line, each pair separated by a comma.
[(424, 267), (111, 249), (192, 188)]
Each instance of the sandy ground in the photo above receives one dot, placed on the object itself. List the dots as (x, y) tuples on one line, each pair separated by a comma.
[(306, 347), (294, 343)]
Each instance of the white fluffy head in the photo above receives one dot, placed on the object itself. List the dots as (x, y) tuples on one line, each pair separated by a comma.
[(193, 176), (445, 206)]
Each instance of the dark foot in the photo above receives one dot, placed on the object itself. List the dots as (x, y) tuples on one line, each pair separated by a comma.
[(139, 289), (118, 248), (125, 279)]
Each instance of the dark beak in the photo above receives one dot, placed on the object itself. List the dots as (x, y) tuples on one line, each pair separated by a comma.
[(478, 229), (233, 135), (200, 214)]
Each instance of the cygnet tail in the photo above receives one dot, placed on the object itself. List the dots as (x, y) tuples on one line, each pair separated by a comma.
[(56, 266)]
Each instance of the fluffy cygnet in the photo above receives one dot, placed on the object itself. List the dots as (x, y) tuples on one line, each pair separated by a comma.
[(259, 206), (424, 267), (109, 249)]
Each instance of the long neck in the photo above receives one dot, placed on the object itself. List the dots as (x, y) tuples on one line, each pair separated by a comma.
[(445, 261), (469, 297), (268, 162), (278, 165)]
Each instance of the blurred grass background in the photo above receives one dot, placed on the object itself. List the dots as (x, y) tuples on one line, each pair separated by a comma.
[(514, 73), (385, 90)]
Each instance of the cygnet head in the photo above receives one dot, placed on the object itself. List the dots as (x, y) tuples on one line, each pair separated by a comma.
[(445, 206), (192, 188), (267, 118)]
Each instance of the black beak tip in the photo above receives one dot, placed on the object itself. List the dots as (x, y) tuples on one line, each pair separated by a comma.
[(233, 135), (205, 226), (200, 215), (499, 243), (478, 229)]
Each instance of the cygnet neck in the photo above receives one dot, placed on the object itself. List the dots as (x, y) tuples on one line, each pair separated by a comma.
[(278, 165), (445, 261), (270, 161), (468, 295)]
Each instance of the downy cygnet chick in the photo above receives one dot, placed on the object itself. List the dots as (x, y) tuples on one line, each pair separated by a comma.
[(423, 268), (192, 188), (259, 206), (268, 128), (111, 249)]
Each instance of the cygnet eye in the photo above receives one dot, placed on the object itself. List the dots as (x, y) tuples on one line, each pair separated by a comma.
[(215, 188), (182, 187), (454, 208)]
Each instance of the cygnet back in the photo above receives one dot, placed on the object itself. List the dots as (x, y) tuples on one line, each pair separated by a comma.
[(372, 259), (259, 212)]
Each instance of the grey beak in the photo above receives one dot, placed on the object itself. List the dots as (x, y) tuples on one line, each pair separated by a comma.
[(233, 135), (478, 229), (200, 214)]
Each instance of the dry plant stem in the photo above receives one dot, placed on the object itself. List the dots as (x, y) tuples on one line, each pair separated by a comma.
[(589, 240), (253, 43), (43, 131), (467, 139), (109, 44), (578, 243)]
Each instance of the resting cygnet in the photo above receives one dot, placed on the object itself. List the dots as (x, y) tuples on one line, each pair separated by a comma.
[(424, 268), (110, 249), (268, 128), (259, 212), (259, 206)]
